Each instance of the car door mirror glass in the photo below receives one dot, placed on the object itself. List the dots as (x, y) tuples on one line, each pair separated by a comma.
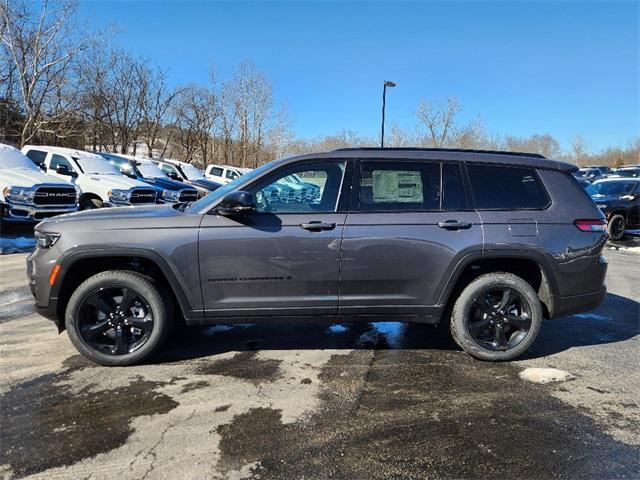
[(236, 203)]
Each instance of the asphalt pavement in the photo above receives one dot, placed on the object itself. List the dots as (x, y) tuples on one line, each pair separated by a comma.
[(316, 401)]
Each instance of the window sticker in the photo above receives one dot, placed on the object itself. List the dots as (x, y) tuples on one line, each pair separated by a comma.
[(397, 186)]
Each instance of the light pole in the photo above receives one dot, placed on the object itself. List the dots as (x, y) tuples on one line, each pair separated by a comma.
[(389, 84)]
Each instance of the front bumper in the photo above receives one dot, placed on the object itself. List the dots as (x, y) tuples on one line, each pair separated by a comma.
[(14, 212)]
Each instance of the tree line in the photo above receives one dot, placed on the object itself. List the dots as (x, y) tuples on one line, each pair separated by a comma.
[(63, 84)]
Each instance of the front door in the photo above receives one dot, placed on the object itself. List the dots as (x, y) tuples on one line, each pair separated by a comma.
[(282, 259)]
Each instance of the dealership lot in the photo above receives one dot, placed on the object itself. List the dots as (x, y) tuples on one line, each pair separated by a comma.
[(318, 401)]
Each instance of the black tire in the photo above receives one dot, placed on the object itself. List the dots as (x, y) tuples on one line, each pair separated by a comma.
[(469, 315), (616, 227), (90, 203), (148, 297)]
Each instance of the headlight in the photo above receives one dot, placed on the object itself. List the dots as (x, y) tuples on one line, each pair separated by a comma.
[(119, 195), (46, 239), (171, 195), (19, 194)]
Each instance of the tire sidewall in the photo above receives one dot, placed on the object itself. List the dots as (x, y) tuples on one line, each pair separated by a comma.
[(463, 304), (152, 295), (614, 219)]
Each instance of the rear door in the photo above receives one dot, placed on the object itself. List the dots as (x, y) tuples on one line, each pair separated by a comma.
[(408, 226)]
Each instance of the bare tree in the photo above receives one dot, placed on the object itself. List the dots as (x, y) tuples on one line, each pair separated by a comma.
[(41, 49), (543, 144), (116, 87), (439, 119), (579, 149), (196, 113), (157, 109)]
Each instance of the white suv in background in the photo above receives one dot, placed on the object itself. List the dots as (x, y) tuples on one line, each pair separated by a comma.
[(27, 194), (223, 173), (100, 183)]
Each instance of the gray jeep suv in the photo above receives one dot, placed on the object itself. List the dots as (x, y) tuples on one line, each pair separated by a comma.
[(490, 242)]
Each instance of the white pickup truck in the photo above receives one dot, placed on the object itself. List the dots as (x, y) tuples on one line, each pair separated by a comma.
[(101, 184), (27, 194)]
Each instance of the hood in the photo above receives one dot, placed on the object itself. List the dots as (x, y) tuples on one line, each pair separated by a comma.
[(116, 181), (208, 184), (20, 177), (167, 184), (112, 213)]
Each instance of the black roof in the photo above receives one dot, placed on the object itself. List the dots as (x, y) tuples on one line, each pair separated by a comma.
[(445, 154)]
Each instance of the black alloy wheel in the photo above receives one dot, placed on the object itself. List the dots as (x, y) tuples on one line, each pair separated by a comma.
[(115, 320), (499, 319)]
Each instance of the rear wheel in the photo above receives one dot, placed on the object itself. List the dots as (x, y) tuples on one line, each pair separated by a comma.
[(118, 318), (616, 227), (496, 317)]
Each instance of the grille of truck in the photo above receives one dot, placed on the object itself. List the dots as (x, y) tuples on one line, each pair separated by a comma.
[(143, 196), (55, 196), (188, 196)]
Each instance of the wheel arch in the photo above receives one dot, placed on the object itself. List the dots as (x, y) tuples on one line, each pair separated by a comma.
[(531, 266), (80, 265)]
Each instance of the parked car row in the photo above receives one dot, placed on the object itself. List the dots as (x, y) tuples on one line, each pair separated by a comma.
[(42, 181), (591, 174)]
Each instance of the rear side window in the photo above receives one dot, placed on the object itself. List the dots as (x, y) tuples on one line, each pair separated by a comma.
[(37, 156), (216, 172), (410, 186), (506, 188)]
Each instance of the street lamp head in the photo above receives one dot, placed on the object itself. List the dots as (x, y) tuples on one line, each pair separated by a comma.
[(388, 83)]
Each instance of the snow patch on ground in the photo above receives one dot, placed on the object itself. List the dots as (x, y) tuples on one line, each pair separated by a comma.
[(16, 245), (337, 329), (545, 375)]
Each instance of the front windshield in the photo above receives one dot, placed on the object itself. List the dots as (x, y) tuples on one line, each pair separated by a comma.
[(610, 188), (13, 158), (97, 165), (191, 172), (220, 192), (151, 170)]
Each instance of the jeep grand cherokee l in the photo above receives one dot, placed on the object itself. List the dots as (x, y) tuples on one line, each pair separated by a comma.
[(488, 241)]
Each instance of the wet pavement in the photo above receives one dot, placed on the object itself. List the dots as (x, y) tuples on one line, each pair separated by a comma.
[(299, 400)]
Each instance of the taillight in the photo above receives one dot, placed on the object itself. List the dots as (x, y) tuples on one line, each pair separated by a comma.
[(597, 225)]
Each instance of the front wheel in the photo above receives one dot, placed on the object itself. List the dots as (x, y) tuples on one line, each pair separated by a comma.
[(616, 226), (496, 317), (118, 318)]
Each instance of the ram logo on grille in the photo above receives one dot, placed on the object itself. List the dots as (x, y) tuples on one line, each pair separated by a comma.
[(143, 196), (55, 196)]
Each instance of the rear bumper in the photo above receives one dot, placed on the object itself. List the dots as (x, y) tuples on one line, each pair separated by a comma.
[(579, 303)]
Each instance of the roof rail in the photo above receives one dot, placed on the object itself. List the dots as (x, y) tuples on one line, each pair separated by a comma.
[(460, 150)]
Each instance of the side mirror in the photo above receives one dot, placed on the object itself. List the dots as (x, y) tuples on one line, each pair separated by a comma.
[(236, 203), (173, 176), (64, 170)]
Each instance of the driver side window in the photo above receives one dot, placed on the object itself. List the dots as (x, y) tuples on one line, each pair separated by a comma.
[(60, 160), (305, 188)]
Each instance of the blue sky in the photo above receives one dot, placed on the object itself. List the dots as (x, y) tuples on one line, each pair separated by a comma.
[(523, 67)]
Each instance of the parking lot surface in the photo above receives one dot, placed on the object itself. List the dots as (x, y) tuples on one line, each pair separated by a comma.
[(385, 400)]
